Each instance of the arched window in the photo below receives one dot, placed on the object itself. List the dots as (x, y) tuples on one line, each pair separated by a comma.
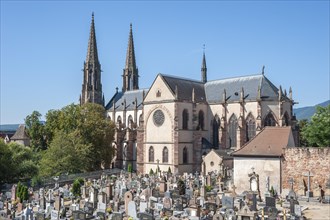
[(269, 120), (200, 120), (165, 155), (151, 154), (215, 126), (119, 119), (130, 119), (250, 127), (232, 132), (185, 155), (185, 118)]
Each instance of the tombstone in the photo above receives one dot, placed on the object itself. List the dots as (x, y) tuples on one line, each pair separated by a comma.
[(13, 192), (145, 216), (167, 202), (101, 206), (89, 208), (54, 215), (57, 203), (162, 187), (116, 216), (127, 198), (230, 214), (210, 206), (227, 202), (101, 215), (19, 207), (270, 202), (39, 216), (297, 210), (309, 192), (327, 192), (271, 212), (293, 202), (132, 209), (252, 201), (143, 206), (1, 205), (78, 215), (217, 216), (317, 190)]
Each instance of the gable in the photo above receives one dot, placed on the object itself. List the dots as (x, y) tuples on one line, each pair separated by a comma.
[(159, 91)]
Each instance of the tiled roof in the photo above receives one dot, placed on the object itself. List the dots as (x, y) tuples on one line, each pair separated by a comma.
[(130, 97), (269, 143), (20, 134), (214, 89), (185, 88)]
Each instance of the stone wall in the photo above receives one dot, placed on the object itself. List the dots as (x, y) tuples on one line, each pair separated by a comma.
[(298, 161)]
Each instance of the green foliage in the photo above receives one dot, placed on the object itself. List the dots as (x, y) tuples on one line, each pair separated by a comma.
[(317, 131), (129, 168), (76, 191), (66, 154), (302, 139), (16, 162), (208, 188), (36, 130), (181, 187), (36, 181), (22, 192), (169, 170), (151, 172)]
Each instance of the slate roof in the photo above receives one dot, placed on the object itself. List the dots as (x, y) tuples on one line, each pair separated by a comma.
[(268, 143), (185, 87), (20, 134), (129, 96), (214, 89)]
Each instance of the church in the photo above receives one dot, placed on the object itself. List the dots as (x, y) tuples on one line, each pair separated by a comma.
[(177, 121)]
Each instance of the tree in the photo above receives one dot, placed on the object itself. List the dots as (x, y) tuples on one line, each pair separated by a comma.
[(22, 192), (35, 130), (16, 162), (76, 191), (317, 131), (66, 154), (181, 187), (302, 123)]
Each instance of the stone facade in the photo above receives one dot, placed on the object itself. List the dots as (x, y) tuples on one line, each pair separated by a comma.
[(298, 161)]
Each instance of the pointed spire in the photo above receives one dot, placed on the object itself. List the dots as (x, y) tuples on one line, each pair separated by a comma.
[(130, 74), (92, 55), (204, 68), (280, 92), (263, 70), (290, 93)]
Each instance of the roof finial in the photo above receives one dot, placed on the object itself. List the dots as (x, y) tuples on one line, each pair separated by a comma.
[(203, 48), (263, 70), (130, 26)]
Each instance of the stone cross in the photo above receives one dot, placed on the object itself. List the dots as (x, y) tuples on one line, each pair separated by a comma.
[(309, 175)]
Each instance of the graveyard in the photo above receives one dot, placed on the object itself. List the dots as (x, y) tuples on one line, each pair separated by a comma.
[(163, 195)]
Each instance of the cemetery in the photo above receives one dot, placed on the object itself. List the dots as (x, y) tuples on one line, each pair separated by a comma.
[(162, 195)]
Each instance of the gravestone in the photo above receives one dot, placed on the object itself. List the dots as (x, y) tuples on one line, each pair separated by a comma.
[(78, 215), (145, 216), (54, 215), (297, 210), (227, 202), (19, 207), (89, 208), (101, 215), (210, 206), (57, 203), (116, 216), (217, 217), (40, 216), (293, 202), (143, 206), (271, 212), (127, 198), (270, 202), (1, 205), (132, 210)]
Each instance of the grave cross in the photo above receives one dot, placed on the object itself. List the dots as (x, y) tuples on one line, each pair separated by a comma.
[(309, 175)]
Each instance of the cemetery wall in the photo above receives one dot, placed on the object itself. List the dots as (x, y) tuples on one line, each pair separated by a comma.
[(298, 161)]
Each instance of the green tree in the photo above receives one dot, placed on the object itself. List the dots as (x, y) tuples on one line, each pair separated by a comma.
[(317, 131), (129, 168), (151, 172), (66, 154), (16, 162), (35, 130), (76, 190), (181, 187), (302, 123), (22, 192)]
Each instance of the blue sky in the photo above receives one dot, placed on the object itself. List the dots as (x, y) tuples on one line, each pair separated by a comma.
[(44, 45)]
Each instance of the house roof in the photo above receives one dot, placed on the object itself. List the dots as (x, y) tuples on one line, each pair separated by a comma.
[(130, 97), (268, 143), (20, 134)]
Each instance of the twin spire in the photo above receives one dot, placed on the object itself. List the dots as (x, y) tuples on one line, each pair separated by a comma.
[(92, 55), (204, 68)]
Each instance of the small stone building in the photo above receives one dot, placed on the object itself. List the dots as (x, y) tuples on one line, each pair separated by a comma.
[(262, 156), (216, 161), (21, 136)]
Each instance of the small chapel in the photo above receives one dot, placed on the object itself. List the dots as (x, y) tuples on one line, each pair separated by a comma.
[(177, 121)]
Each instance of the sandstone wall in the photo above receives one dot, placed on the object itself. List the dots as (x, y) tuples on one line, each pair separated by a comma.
[(298, 161)]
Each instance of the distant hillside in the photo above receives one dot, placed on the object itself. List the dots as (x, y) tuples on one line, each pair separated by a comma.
[(308, 112), (9, 127)]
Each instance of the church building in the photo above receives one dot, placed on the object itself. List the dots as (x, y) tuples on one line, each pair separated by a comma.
[(178, 120)]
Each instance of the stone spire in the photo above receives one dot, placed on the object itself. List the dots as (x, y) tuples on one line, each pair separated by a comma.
[(92, 87), (130, 72), (204, 69)]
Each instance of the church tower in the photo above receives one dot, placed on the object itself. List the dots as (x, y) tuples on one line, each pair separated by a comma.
[(92, 87), (130, 72), (204, 69)]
